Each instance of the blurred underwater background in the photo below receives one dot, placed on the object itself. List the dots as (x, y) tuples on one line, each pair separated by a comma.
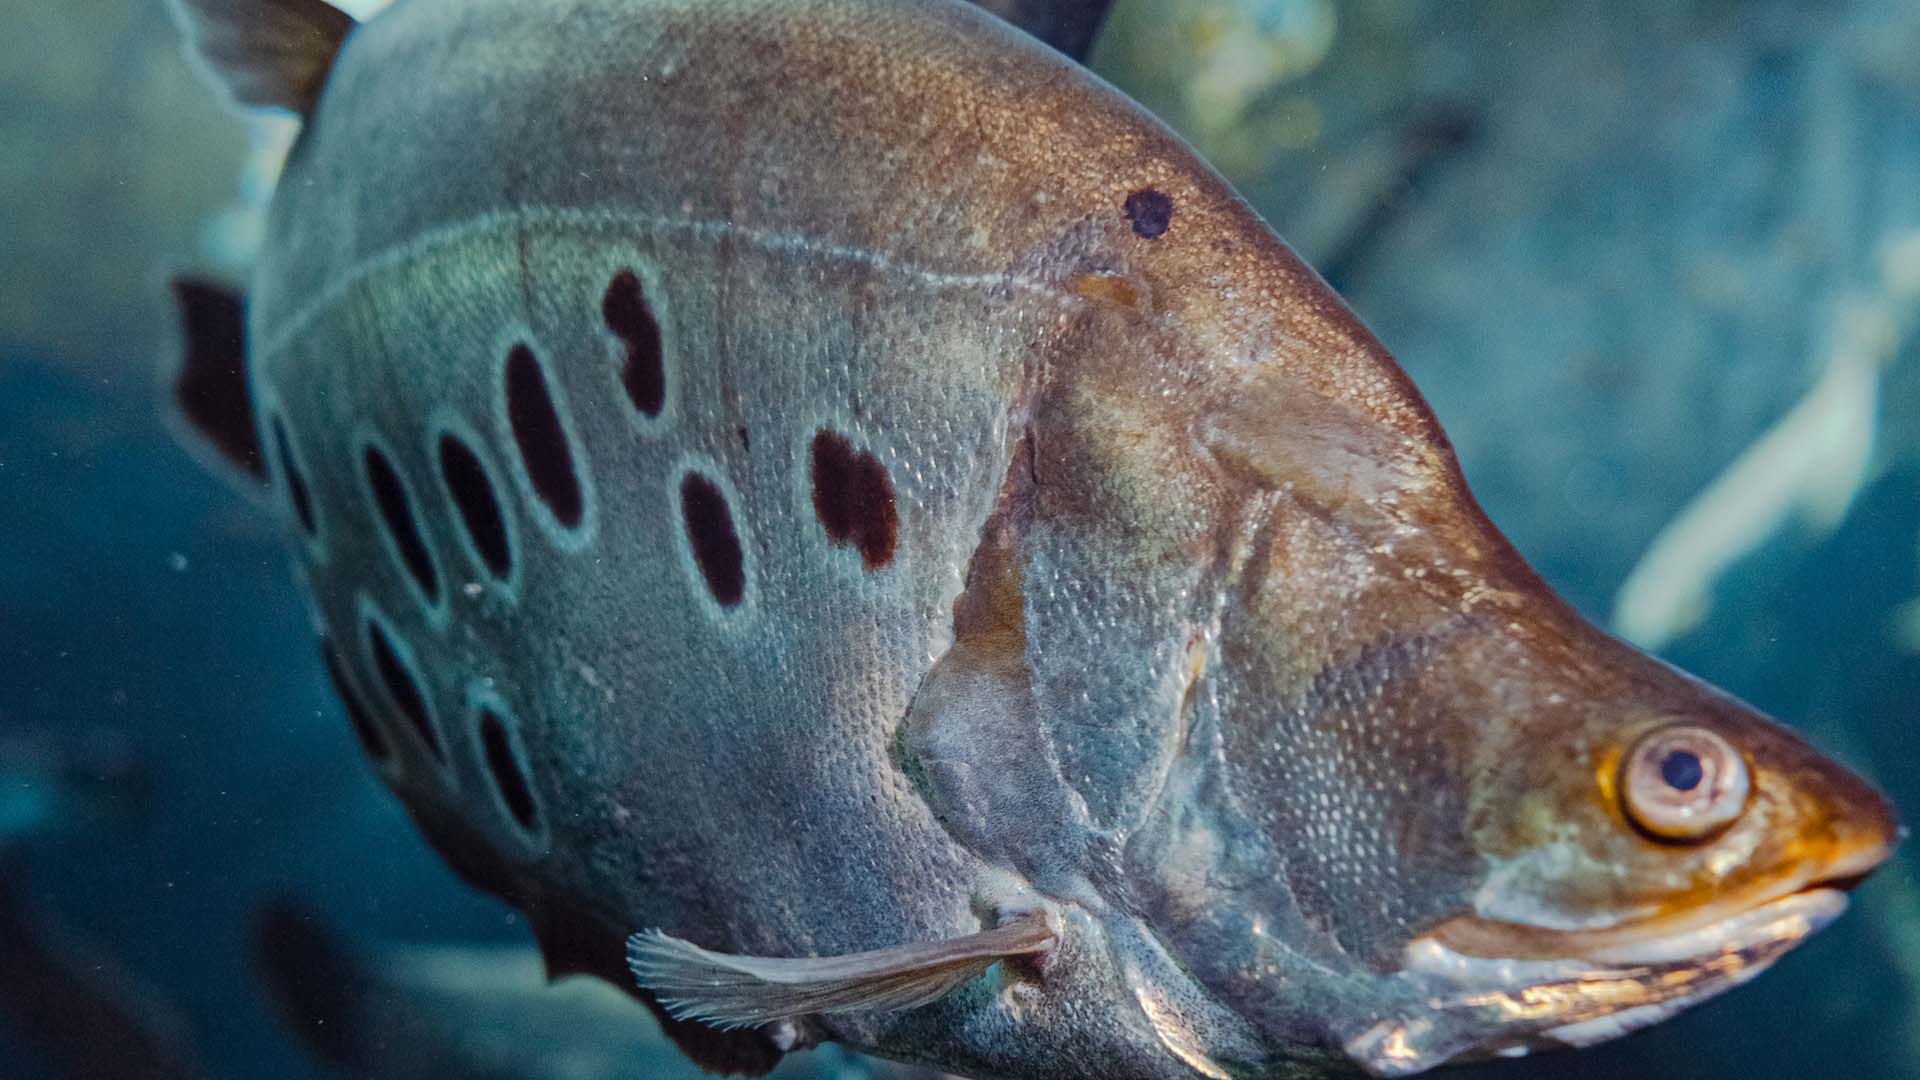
[(1654, 263)]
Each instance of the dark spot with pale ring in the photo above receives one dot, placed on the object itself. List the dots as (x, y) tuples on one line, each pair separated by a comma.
[(541, 438), (505, 767), (402, 689), (1150, 212), (853, 497), (716, 546), (472, 494), (297, 492), (624, 307), (396, 510), (364, 728)]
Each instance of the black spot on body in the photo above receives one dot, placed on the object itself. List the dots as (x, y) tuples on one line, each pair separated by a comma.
[(472, 494), (297, 493), (507, 777), (853, 497), (396, 510), (402, 688), (1149, 211), (368, 732), (716, 546), (624, 307), (541, 439)]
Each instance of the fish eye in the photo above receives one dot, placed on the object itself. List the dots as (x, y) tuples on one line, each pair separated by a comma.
[(1683, 783)]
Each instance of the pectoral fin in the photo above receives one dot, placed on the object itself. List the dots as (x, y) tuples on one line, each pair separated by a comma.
[(747, 991)]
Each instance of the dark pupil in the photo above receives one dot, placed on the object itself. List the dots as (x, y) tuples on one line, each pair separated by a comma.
[(1681, 769)]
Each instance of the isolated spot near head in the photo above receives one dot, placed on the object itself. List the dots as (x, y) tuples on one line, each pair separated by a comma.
[(362, 722), (297, 494), (541, 438), (710, 532), (472, 494), (508, 777), (644, 374), (1149, 211), (402, 688), (853, 497), (396, 511)]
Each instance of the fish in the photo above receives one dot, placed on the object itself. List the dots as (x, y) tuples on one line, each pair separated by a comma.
[(415, 1012), (844, 521), (61, 782), (66, 1004), (71, 1008)]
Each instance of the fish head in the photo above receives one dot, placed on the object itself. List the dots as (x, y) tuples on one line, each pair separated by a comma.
[(1644, 842), (1438, 803)]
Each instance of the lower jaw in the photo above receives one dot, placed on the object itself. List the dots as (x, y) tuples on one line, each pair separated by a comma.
[(1479, 1006)]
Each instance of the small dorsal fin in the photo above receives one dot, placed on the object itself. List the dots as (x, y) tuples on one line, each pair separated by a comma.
[(207, 384), (1068, 25), (265, 53), (746, 991)]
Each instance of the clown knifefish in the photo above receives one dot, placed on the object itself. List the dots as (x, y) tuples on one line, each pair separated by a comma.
[(836, 487)]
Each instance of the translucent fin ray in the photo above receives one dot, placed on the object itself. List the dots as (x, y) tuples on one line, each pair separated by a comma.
[(727, 991)]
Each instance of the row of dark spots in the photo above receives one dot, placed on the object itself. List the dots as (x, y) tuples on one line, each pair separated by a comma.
[(537, 430), (543, 447), (549, 461), (852, 494), (711, 535), (644, 371), (851, 491), (467, 486), (404, 693), (403, 690), (853, 498), (512, 784), (396, 511), (472, 494), (541, 438)]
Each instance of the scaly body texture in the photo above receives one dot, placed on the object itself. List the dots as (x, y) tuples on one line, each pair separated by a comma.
[(824, 475)]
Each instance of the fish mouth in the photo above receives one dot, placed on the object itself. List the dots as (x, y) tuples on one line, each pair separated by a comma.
[(1598, 985), (1472, 935)]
